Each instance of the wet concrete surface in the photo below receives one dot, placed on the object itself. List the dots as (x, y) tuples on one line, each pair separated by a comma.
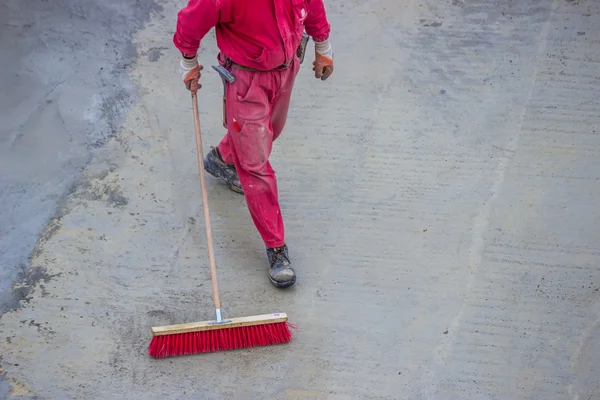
[(440, 196), (64, 89)]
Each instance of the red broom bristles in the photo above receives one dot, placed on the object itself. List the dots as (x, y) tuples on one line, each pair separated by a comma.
[(180, 344)]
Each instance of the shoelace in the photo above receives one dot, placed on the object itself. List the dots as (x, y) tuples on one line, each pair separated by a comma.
[(279, 255)]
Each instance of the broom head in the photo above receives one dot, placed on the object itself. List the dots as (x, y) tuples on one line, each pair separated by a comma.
[(209, 336)]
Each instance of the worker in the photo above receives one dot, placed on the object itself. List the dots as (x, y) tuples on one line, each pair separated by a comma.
[(258, 42)]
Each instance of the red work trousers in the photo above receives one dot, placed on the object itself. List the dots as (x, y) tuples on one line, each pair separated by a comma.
[(259, 102)]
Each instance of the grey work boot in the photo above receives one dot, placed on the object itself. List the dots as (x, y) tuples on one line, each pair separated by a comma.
[(214, 165), (281, 273)]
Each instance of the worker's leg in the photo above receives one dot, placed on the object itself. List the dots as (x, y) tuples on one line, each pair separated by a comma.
[(219, 163), (249, 101), (281, 274)]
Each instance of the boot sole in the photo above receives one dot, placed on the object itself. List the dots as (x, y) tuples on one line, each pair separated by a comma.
[(283, 285), (217, 174)]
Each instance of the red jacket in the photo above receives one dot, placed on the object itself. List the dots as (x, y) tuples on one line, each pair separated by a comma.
[(260, 34)]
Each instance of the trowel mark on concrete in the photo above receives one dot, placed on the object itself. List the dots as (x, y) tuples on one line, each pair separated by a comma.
[(104, 188), (10, 387), (154, 53), (28, 278), (110, 193), (31, 278)]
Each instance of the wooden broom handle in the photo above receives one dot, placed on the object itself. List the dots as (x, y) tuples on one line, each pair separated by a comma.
[(209, 240)]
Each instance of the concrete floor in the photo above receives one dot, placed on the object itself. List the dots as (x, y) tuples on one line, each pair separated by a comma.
[(440, 194)]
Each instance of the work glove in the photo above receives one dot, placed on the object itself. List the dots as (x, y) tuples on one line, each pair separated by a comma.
[(190, 73), (323, 64)]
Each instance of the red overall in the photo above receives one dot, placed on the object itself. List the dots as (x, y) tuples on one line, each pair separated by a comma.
[(262, 35)]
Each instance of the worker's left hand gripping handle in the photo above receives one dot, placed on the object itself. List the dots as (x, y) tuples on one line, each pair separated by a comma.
[(190, 73)]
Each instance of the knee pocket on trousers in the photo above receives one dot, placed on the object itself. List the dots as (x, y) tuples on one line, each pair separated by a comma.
[(254, 146)]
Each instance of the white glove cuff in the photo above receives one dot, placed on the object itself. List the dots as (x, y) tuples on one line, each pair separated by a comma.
[(189, 64), (324, 48)]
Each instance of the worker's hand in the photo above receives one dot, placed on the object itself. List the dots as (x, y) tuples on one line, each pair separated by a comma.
[(190, 73), (323, 64)]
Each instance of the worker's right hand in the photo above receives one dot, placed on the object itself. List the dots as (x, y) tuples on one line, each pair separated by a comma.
[(190, 73)]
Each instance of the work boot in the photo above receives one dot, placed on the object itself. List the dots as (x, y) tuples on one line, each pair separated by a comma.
[(280, 272), (214, 165)]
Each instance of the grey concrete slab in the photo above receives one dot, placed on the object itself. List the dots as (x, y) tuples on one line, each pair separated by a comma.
[(440, 196)]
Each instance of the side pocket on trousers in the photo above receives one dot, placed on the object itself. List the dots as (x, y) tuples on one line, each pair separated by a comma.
[(245, 87), (224, 103), (251, 102)]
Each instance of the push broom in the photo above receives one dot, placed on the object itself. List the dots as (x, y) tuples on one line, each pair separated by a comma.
[(220, 334)]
